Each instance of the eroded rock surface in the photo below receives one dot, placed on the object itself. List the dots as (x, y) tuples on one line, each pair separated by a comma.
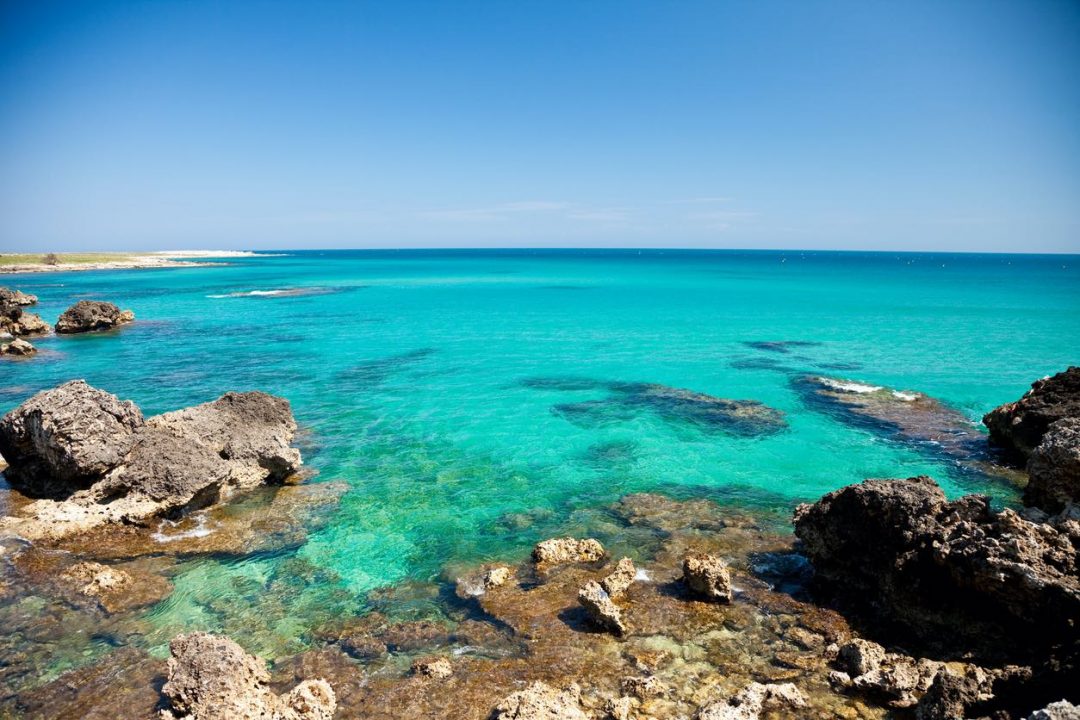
[(707, 576), (946, 570), (16, 321), (542, 702), (16, 297), (212, 678), (559, 551), (92, 316), (119, 468), (1054, 467), (17, 348), (1019, 426), (749, 703)]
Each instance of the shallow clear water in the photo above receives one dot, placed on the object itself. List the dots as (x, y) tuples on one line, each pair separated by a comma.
[(422, 380)]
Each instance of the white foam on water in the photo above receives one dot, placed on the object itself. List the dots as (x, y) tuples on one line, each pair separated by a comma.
[(642, 576), (906, 397), (852, 387), (200, 530)]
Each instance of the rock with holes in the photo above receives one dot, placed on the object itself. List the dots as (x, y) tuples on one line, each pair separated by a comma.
[(707, 576), (92, 316), (561, 551), (540, 701)]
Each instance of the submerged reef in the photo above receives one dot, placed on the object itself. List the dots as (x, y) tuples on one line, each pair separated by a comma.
[(678, 406)]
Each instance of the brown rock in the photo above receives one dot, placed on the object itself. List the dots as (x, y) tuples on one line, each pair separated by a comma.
[(17, 348), (707, 575), (1054, 467), (560, 551), (616, 584), (436, 668), (752, 700), (92, 316), (212, 678), (1019, 426), (542, 702), (600, 608)]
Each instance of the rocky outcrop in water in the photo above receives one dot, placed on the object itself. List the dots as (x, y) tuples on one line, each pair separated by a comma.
[(17, 348), (1019, 426), (707, 576), (542, 702), (560, 551), (946, 569), (212, 678), (14, 320), (92, 316), (106, 464), (16, 297), (752, 700)]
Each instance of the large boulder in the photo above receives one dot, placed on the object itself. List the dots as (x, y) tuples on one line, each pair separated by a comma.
[(14, 320), (1019, 426), (92, 315), (942, 570), (117, 468), (17, 348), (212, 678), (1054, 467), (67, 437), (540, 701)]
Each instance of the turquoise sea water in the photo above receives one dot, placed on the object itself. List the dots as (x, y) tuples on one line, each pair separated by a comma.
[(424, 380)]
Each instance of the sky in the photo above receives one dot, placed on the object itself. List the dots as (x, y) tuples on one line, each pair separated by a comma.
[(901, 125)]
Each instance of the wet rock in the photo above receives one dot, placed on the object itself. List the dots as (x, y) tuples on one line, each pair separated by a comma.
[(1054, 467), (860, 656), (1061, 710), (17, 348), (642, 688), (173, 462), (893, 678), (363, 647), (616, 584), (212, 678), (749, 703), (122, 684), (619, 708), (600, 608), (496, 576), (16, 321), (68, 436), (949, 572), (16, 297), (435, 668), (708, 576), (542, 702), (91, 316), (560, 551), (951, 695), (1019, 426)]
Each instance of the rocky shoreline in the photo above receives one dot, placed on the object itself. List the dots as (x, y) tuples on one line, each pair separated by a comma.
[(889, 602)]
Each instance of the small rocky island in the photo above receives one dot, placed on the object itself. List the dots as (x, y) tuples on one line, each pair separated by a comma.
[(891, 602), (85, 316)]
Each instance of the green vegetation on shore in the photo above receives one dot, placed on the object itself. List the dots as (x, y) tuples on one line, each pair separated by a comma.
[(65, 258)]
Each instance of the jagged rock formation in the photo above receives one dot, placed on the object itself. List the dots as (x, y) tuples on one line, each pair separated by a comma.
[(560, 551), (1019, 426), (91, 316), (752, 700), (945, 569), (212, 678), (106, 464), (16, 297), (708, 576), (1054, 467), (542, 702), (17, 347)]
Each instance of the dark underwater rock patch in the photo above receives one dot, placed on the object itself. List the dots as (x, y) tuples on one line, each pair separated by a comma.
[(779, 346), (627, 400), (1018, 427), (372, 373), (910, 418)]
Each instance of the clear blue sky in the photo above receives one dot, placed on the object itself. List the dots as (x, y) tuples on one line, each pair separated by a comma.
[(950, 125)]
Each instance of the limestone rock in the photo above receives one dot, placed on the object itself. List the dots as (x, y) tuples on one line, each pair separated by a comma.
[(16, 297), (753, 700), (496, 576), (92, 316), (540, 701), (1054, 467), (1019, 426), (130, 470), (600, 608), (899, 549), (434, 667), (212, 678), (951, 695), (561, 551), (616, 584), (17, 347), (707, 575), (1061, 710), (70, 435)]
